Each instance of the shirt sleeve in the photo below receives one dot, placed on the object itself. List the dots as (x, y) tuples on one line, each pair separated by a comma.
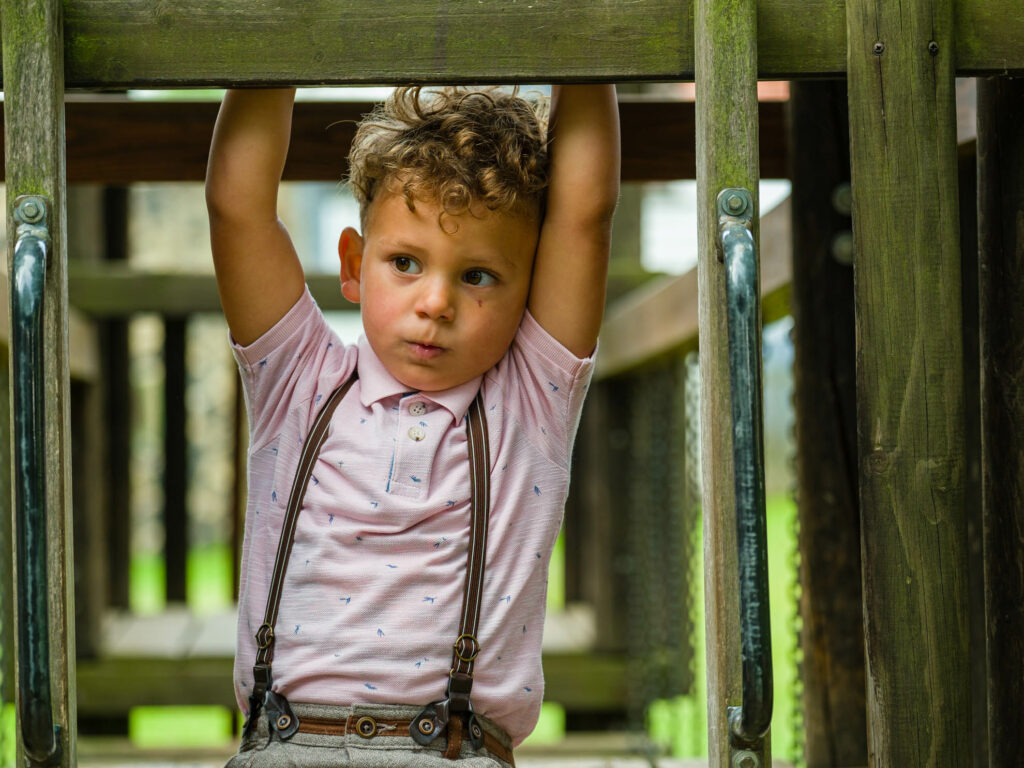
[(543, 386), (283, 368)]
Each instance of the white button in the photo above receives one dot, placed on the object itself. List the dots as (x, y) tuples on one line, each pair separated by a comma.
[(417, 409), (417, 433)]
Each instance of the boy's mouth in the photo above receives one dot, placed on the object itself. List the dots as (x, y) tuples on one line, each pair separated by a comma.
[(424, 351)]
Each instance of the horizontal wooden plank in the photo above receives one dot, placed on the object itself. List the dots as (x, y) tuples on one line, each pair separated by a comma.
[(117, 291), (113, 685), (119, 141), (661, 318), (132, 44), (82, 342)]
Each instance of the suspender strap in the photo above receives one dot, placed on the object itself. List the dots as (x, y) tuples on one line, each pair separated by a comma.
[(428, 725), (466, 648), (262, 677)]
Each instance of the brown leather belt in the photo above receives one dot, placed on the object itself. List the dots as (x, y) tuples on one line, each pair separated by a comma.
[(369, 727)]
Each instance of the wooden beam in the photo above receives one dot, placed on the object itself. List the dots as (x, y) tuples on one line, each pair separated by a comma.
[(115, 141), (825, 403), (128, 44), (910, 402), (117, 291), (1001, 253), (578, 681), (661, 318), (727, 157), (33, 72)]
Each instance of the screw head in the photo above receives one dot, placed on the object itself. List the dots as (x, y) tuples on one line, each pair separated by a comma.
[(30, 210), (878, 48), (744, 758), (734, 203), (933, 48)]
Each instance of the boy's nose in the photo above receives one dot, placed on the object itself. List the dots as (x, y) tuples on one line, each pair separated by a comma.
[(435, 301)]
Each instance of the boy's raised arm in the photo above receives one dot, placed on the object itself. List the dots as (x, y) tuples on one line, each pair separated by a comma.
[(568, 290), (258, 273)]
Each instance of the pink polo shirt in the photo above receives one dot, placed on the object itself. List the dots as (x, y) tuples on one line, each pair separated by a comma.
[(370, 605)]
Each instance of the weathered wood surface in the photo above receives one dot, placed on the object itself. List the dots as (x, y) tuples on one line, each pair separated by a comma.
[(727, 156), (910, 407), (825, 402), (7, 555), (114, 141), (128, 44), (33, 69), (661, 318), (1001, 254)]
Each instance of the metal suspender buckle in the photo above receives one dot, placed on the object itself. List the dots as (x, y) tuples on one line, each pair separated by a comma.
[(264, 636), (460, 648)]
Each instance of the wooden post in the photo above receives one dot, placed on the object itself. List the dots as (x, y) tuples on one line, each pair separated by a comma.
[(88, 441), (910, 406), (725, 65), (1001, 240), (826, 431), (175, 459), (117, 408), (33, 69), (967, 161), (7, 606)]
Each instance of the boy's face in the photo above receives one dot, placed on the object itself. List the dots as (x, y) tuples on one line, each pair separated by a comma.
[(441, 302)]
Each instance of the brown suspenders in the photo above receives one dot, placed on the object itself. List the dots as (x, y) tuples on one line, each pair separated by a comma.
[(440, 715)]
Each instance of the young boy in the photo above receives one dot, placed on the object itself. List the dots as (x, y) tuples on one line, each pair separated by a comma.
[(480, 269)]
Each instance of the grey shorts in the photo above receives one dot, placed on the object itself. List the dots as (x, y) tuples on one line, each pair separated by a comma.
[(388, 747)]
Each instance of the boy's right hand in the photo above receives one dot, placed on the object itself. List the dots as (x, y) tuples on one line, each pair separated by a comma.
[(259, 276)]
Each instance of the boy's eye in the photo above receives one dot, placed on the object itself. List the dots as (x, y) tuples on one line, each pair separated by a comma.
[(406, 265), (479, 277)]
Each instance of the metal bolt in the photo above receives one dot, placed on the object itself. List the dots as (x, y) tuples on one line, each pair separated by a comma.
[(878, 48), (933, 48), (842, 199), (842, 248), (734, 204), (30, 210), (744, 758)]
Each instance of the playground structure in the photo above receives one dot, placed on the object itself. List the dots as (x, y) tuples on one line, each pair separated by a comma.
[(909, 377)]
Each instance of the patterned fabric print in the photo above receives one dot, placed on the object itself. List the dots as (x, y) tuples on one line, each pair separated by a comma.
[(371, 599)]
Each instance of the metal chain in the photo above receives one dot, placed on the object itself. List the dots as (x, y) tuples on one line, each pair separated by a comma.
[(799, 735), (692, 503)]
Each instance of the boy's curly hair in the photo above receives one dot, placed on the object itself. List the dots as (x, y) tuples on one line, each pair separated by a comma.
[(456, 147)]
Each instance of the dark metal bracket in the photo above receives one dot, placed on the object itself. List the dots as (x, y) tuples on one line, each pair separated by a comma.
[(40, 736), (749, 722)]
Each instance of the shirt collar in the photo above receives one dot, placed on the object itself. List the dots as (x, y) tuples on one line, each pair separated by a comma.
[(376, 383)]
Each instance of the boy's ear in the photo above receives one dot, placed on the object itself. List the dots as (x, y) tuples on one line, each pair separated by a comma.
[(350, 252)]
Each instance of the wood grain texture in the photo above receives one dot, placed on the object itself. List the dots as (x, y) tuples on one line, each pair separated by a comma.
[(33, 67), (1001, 273), (119, 142), (133, 44), (910, 407), (825, 404), (726, 80)]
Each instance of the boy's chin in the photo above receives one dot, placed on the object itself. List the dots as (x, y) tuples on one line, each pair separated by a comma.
[(431, 381)]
